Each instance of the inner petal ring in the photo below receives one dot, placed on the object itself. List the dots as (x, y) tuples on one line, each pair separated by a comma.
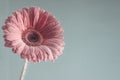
[(32, 37)]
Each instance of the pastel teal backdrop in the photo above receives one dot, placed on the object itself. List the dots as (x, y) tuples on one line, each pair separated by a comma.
[(92, 41)]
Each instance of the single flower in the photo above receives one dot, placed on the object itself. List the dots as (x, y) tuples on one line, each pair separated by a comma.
[(34, 34)]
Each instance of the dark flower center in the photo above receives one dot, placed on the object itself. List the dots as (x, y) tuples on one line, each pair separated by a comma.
[(32, 37)]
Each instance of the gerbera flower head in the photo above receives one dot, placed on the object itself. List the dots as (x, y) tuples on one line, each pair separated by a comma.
[(34, 34)]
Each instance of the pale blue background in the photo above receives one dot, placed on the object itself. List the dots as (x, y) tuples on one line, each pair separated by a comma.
[(92, 37)]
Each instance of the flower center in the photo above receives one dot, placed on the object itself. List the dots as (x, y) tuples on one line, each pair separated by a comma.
[(32, 37)]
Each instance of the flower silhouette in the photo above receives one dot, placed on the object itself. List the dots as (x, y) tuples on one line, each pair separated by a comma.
[(34, 34)]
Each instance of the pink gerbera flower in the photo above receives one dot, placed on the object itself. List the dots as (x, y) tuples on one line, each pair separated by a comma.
[(34, 34)]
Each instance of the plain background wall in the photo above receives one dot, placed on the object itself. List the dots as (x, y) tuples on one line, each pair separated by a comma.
[(92, 37)]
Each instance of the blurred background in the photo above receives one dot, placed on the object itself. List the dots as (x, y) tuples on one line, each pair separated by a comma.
[(92, 38)]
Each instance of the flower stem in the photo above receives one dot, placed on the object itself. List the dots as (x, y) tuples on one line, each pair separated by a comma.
[(23, 70)]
